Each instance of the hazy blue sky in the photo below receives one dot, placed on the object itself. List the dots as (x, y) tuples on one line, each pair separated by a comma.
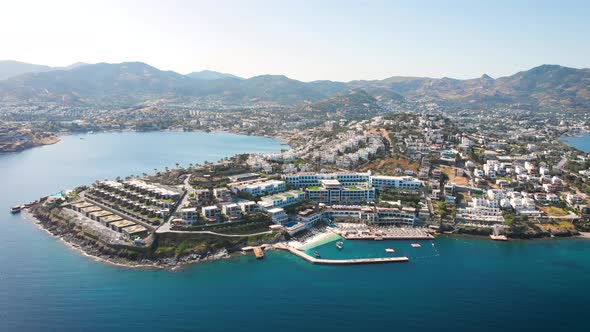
[(306, 40)]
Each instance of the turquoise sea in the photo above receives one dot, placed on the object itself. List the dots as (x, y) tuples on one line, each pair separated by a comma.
[(457, 284), (582, 142)]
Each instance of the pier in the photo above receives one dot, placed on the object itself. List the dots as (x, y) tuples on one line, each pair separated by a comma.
[(314, 260), (258, 252)]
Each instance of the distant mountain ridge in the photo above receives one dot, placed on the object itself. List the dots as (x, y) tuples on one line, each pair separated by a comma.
[(210, 75), (546, 87), (10, 68)]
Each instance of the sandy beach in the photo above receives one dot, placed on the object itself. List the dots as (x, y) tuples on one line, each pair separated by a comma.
[(316, 240)]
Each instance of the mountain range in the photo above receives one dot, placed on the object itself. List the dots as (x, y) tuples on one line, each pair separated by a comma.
[(210, 75), (546, 87), (10, 68)]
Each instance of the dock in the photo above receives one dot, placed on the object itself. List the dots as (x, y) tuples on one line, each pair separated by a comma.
[(258, 252), (314, 260)]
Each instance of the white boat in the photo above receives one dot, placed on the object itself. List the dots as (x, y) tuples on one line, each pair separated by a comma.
[(16, 209), (339, 244), (389, 250), (416, 245)]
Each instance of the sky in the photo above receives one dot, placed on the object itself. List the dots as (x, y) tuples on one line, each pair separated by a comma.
[(303, 39)]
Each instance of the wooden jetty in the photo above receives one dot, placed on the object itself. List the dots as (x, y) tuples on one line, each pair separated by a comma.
[(258, 252), (314, 260)]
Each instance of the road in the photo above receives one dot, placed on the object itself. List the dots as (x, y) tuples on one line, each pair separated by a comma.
[(167, 229), (562, 162)]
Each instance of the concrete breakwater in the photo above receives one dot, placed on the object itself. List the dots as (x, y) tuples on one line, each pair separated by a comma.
[(314, 260)]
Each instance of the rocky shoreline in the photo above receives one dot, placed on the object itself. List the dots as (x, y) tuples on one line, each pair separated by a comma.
[(100, 253), (22, 146)]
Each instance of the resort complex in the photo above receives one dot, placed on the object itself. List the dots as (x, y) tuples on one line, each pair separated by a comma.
[(391, 177)]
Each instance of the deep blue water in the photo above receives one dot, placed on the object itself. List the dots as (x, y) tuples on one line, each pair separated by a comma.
[(582, 142), (457, 284)]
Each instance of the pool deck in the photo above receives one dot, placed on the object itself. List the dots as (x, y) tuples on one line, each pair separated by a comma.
[(314, 260)]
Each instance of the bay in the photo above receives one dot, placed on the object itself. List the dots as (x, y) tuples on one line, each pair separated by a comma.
[(450, 284), (579, 142)]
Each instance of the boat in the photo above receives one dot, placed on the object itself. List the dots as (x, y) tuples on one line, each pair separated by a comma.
[(379, 239), (339, 244), (389, 250), (317, 254), (416, 245), (16, 209)]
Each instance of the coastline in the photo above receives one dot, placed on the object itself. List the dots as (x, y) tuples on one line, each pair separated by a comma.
[(581, 235), (76, 245), (318, 239), (93, 252), (584, 135), (57, 136), (54, 139)]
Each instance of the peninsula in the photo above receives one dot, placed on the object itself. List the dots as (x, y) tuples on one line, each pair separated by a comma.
[(394, 176)]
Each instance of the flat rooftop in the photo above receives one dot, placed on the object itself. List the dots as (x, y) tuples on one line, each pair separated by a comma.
[(123, 223), (91, 209), (330, 182), (111, 218), (134, 229), (82, 205), (101, 213)]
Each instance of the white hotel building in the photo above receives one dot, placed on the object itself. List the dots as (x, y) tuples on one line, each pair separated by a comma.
[(404, 182), (282, 199), (260, 188), (303, 180)]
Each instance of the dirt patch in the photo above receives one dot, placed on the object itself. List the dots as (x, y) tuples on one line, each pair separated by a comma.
[(553, 211), (388, 165), (451, 173)]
